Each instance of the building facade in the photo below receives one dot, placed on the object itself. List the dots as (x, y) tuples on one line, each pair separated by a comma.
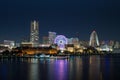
[(8, 43), (52, 36), (45, 40), (34, 34), (94, 42)]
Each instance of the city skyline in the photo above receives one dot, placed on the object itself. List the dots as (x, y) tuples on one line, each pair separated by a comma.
[(69, 18)]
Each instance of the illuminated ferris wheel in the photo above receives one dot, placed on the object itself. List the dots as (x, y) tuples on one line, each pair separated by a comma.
[(61, 41)]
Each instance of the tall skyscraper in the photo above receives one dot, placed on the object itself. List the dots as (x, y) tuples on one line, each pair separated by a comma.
[(52, 36), (94, 42), (34, 35)]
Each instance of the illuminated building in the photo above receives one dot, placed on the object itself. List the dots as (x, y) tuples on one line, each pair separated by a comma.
[(34, 35), (70, 48), (105, 48), (8, 43), (45, 40), (74, 41), (116, 45), (69, 40), (94, 42), (102, 42), (3, 48), (17, 44), (52, 36), (84, 43), (26, 44), (111, 43)]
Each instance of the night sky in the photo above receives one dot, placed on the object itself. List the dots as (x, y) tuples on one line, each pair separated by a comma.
[(72, 18)]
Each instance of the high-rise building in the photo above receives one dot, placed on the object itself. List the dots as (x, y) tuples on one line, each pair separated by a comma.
[(45, 40), (94, 42), (34, 35), (52, 36)]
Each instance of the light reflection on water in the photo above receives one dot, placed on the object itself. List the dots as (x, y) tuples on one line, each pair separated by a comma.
[(74, 68)]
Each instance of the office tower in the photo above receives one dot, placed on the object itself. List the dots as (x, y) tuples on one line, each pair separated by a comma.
[(45, 40), (34, 35), (94, 42), (52, 36)]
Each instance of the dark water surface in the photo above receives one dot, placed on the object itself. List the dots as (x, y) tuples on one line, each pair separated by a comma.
[(75, 68)]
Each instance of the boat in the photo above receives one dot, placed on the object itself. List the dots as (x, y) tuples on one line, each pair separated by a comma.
[(44, 56), (51, 57), (59, 57)]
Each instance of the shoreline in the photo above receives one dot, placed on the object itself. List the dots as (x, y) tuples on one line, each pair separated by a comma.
[(60, 55)]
